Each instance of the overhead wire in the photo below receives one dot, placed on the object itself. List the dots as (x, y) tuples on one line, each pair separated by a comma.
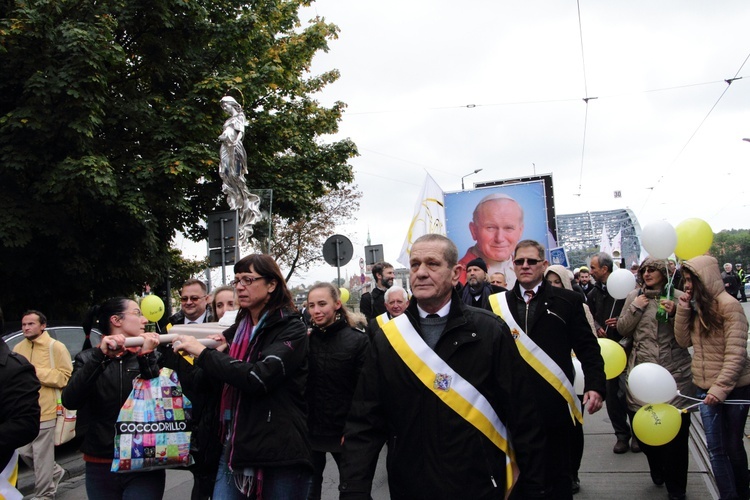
[(729, 82), (585, 99)]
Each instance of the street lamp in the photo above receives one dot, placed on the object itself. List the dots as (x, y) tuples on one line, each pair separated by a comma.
[(465, 176)]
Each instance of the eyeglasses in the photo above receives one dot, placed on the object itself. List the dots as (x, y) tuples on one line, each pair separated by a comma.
[(192, 298), (650, 270), (531, 262), (245, 280), (137, 312)]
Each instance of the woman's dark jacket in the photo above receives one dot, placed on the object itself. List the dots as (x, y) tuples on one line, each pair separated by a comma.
[(271, 425), (98, 387), (337, 354)]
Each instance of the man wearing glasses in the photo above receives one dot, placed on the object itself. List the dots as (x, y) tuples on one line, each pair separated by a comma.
[(548, 323), (193, 302)]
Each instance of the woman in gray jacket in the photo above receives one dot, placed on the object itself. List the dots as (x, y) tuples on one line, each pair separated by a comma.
[(648, 318)]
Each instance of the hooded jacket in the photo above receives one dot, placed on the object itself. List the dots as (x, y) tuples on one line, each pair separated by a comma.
[(720, 360), (654, 342)]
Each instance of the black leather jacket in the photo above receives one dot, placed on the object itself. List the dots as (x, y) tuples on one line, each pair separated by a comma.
[(98, 388)]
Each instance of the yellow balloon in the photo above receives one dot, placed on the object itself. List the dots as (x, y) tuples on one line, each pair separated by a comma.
[(694, 238), (344, 295), (152, 308), (614, 357), (657, 424)]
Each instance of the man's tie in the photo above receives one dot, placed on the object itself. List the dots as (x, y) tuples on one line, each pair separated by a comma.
[(528, 295)]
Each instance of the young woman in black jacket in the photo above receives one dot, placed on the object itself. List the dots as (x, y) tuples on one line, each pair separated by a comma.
[(263, 419), (337, 353), (101, 382)]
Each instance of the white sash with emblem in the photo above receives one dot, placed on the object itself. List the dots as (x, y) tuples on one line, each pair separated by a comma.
[(536, 357), (451, 388)]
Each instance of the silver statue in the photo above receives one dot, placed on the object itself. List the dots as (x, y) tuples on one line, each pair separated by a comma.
[(232, 170)]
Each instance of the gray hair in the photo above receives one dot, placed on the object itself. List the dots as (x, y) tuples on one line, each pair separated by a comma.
[(395, 289), (605, 260)]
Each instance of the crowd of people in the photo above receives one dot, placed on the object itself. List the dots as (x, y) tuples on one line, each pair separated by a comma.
[(470, 385)]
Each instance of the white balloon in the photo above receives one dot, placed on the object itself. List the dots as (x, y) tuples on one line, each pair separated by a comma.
[(578, 382), (652, 383), (620, 283), (659, 239)]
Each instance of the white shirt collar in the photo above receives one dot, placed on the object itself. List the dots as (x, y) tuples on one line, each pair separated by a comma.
[(200, 319), (443, 311)]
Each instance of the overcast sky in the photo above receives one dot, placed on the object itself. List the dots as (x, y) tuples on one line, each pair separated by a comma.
[(445, 88)]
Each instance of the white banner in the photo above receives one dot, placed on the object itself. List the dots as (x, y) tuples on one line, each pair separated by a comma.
[(429, 217)]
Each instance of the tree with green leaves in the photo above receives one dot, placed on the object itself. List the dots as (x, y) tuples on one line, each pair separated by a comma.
[(109, 118), (732, 246)]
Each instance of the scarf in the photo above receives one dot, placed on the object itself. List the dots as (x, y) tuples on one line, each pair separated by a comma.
[(247, 480)]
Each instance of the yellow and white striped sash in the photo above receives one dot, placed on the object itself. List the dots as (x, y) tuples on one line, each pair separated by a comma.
[(382, 319), (8, 480), (536, 357), (451, 388)]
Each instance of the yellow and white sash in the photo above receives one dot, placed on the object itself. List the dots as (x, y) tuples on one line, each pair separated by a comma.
[(382, 319), (451, 388), (8, 480), (536, 357)]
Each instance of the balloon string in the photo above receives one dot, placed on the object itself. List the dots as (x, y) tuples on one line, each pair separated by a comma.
[(700, 402), (606, 326)]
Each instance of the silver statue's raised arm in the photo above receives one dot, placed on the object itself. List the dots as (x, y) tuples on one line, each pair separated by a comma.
[(232, 170)]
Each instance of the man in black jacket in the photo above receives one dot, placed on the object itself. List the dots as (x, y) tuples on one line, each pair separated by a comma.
[(434, 450), (19, 404), (605, 310), (372, 304), (555, 321), (477, 291)]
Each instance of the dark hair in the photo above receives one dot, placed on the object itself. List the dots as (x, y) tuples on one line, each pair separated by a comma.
[(264, 265), (531, 243), (706, 315), (194, 281), (42, 317), (378, 269), (335, 295), (98, 316), (450, 251)]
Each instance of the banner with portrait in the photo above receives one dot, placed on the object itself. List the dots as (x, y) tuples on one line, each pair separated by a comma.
[(489, 220)]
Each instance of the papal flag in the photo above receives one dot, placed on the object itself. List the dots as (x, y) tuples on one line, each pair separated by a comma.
[(429, 217), (8, 479)]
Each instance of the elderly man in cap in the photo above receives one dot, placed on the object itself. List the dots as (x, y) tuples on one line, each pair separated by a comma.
[(478, 290)]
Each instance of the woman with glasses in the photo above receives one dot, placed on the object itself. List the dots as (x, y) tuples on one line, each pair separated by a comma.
[(337, 353), (715, 324), (263, 411), (101, 382), (648, 318)]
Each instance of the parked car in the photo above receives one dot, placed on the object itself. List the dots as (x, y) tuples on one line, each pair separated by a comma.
[(72, 336)]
